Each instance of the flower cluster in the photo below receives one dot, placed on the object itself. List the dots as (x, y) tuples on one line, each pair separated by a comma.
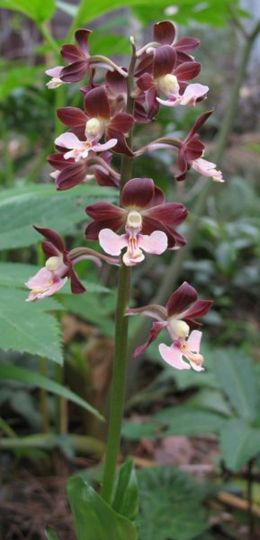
[(160, 74)]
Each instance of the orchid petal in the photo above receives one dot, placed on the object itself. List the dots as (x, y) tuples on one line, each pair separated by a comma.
[(111, 242), (172, 356), (194, 340), (193, 93), (102, 147), (68, 140), (155, 243)]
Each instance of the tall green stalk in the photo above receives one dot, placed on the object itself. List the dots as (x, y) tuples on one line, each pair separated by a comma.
[(121, 331)]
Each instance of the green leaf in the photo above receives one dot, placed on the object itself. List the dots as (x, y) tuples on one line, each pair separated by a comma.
[(126, 499), (239, 443), (26, 327), (135, 431), (94, 519), (46, 441), (95, 310), (18, 77), (171, 505), (23, 207), (184, 420), (37, 10), (211, 400), (26, 376), (236, 376)]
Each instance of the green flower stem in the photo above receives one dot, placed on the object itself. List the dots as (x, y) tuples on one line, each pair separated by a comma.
[(121, 332)]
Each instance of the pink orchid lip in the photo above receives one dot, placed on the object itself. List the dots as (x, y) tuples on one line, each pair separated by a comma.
[(189, 349)]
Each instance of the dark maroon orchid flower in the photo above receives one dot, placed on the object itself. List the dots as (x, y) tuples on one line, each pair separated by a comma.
[(179, 315), (191, 148), (143, 211), (69, 173), (59, 266), (98, 119)]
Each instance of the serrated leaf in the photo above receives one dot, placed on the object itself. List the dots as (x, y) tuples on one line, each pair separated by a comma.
[(182, 420), (239, 442), (235, 374), (23, 207), (171, 506), (26, 327), (37, 10), (32, 378), (94, 519), (126, 499)]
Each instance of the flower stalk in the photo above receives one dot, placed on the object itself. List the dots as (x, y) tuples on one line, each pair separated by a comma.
[(117, 394)]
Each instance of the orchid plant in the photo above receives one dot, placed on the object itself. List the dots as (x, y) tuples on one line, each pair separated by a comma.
[(143, 223)]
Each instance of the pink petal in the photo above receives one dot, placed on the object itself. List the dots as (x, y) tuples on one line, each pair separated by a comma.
[(155, 243), (207, 168), (194, 340), (99, 147), (173, 356), (111, 242), (68, 140), (54, 72), (40, 279), (196, 367), (192, 93), (130, 260)]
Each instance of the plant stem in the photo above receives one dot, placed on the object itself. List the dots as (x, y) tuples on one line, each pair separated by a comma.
[(172, 274), (121, 332), (43, 365), (251, 522)]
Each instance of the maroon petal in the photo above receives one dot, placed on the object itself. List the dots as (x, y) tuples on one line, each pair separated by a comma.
[(198, 309), (58, 161), (199, 123), (49, 249), (145, 82), (53, 237), (164, 61), (187, 71), (170, 214), (164, 32), (96, 103), (121, 147), (71, 53), (157, 198), (105, 178), (175, 239), (71, 116), (144, 65), (193, 149), (122, 122), (76, 285), (116, 82), (152, 103), (82, 37), (137, 192), (93, 229), (181, 299), (186, 44), (102, 210), (157, 327), (74, 72), (71, 176)]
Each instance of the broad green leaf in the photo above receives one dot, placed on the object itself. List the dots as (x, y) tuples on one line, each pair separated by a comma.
[(38, 10), (184, 420), (211, 400), (171, 505), (235, 374), (136, 430), (18, 77), (25, 206), (32, 378), (16, 274), (126, 499), (26, 327), (94, 519), (239, 443), (97, 310)]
